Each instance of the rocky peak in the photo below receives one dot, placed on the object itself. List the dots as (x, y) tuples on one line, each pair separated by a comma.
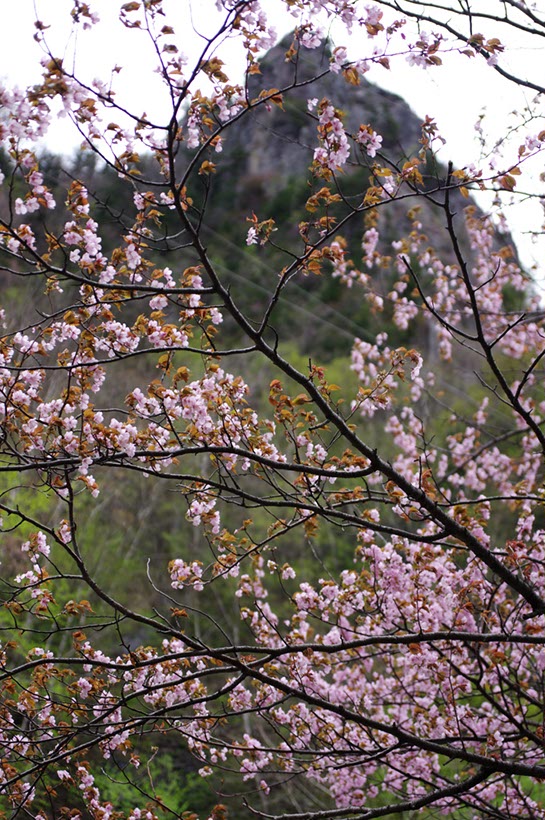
[(292, 131)]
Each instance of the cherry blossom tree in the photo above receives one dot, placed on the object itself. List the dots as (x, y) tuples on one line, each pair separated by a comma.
[(407, 673)]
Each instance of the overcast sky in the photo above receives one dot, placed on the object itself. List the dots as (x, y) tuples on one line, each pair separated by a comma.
[(454, 94)]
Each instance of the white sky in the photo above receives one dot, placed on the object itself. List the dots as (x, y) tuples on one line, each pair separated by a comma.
[(454, 94)]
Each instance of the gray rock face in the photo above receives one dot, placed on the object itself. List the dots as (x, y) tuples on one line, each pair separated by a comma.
[(275, 145)]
